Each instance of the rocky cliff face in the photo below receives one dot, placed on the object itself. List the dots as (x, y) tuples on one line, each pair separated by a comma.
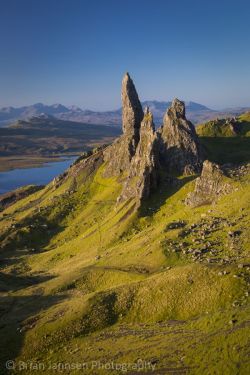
[(180, 150), (141, 152), (118, 156), (209, 186), (132, 113), (142, 177)]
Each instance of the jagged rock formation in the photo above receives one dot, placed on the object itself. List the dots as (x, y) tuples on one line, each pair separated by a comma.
[(180, 150), (89, 164), (209, 186), (120, 153), (142, 177), (132, 113), (139, 154)]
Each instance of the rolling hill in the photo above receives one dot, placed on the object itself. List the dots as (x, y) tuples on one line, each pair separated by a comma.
[(226, 140), (229, 127)]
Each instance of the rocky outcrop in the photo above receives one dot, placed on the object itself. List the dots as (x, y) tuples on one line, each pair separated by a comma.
[(84, 168), (180, 151), (233, 125), (141, 152), (89, 165), (209, 186), (142, 178), (230, 127), (118, 156)]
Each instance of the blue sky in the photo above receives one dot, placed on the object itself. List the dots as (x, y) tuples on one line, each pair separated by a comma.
[(76, 51)]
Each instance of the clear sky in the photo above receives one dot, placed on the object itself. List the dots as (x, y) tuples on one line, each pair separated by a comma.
[(76, 51)]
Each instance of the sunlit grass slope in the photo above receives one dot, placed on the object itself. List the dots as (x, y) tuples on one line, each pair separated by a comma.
[(222, 144), (85, 279)]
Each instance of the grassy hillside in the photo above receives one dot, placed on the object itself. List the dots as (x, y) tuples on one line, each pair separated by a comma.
[(226, 141), (239, 126), (83, 279), (215, 128)]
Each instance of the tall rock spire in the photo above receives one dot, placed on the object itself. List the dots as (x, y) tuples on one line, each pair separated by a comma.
[(180, 150), (143, 178), (132, 113), (141, 152), (120, 153)]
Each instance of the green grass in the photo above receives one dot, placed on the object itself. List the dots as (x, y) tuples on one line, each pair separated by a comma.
[(223, 128), (102, 282), (215, 128)]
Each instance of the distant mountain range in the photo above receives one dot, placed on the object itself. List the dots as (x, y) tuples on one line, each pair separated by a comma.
[(197, 113)]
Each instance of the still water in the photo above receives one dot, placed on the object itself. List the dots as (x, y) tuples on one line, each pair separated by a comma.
[(32, 176)]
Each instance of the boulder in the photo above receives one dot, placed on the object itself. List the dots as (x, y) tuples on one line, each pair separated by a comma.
[(209, 186)]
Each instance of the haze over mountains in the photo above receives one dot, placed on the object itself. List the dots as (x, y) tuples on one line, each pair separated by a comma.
[(196, 112)]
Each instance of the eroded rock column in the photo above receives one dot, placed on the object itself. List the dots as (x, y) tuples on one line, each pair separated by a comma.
[(118, 156), (143, 178), (180, 150)]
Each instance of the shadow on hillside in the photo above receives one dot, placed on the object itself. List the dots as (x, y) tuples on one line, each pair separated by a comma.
[(224, 150), (168, 187), (17, 316), (11, 282), (27, 239)]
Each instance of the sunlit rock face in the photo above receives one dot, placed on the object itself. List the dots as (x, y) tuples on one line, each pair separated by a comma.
[(142, 178), (209, 186), (180, 150), (120, 153), (141, 152), (132, 113)]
